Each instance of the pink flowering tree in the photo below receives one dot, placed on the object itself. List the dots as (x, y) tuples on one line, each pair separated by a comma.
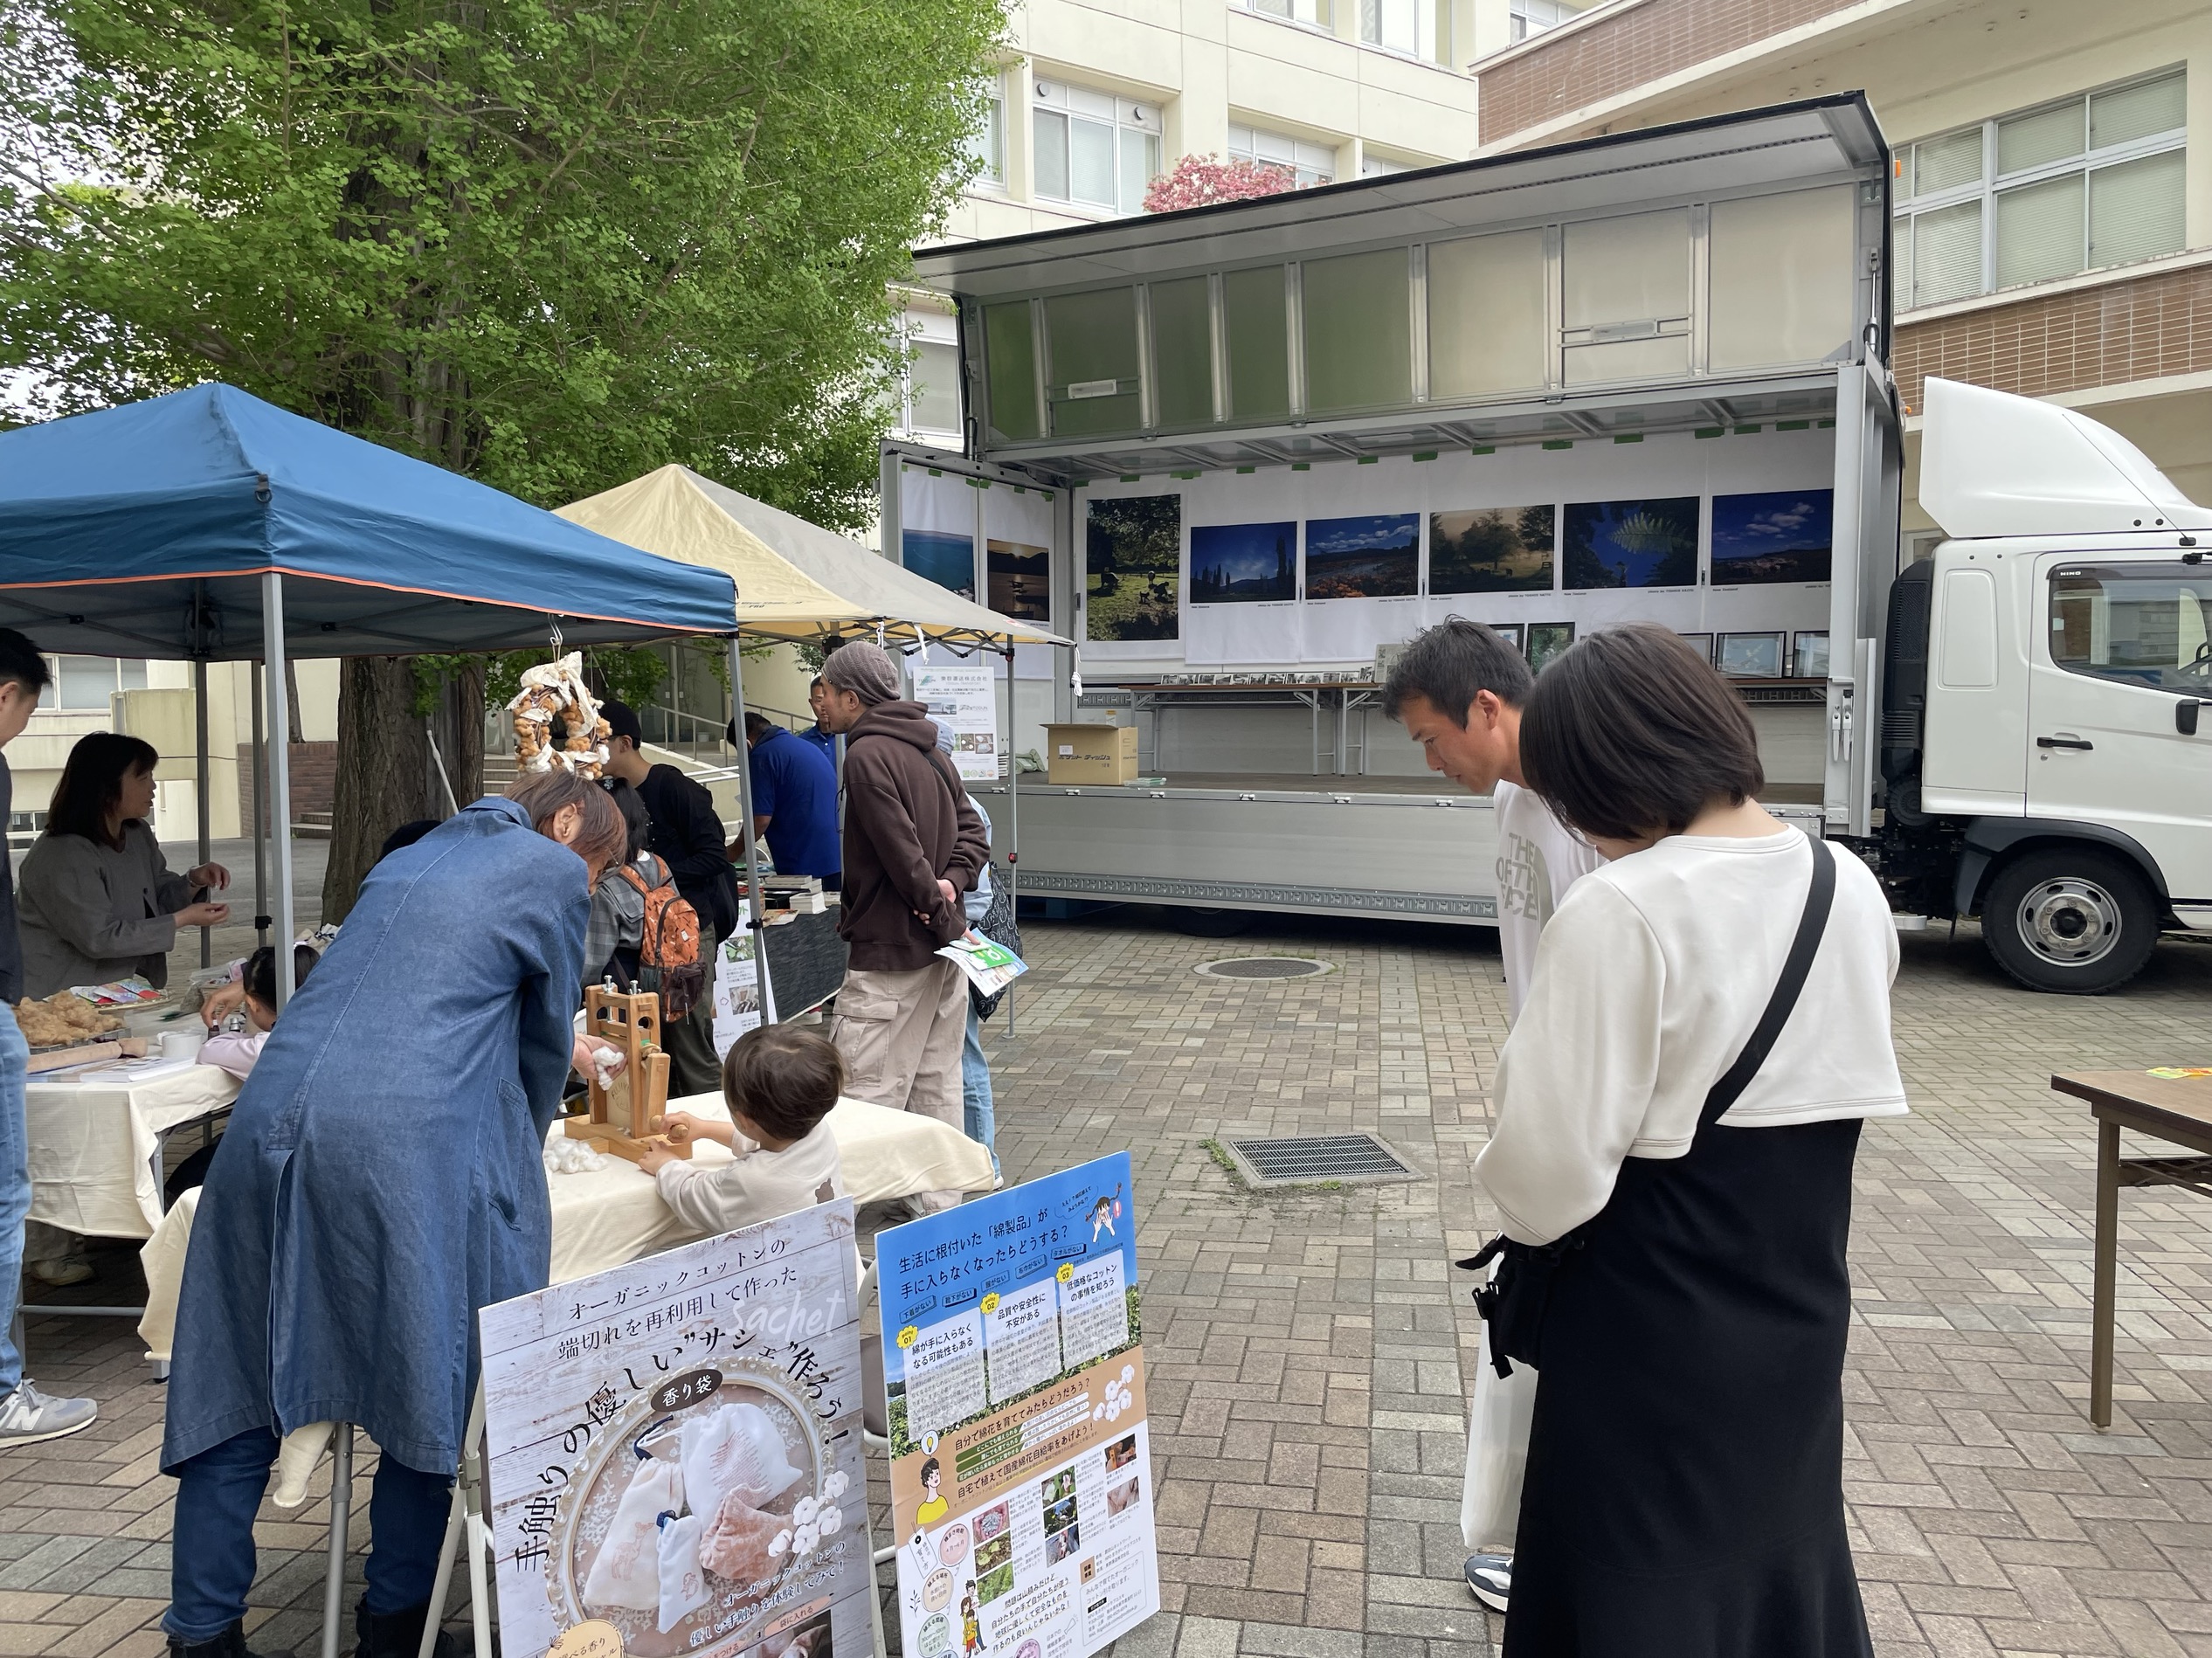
[(1199, 180)]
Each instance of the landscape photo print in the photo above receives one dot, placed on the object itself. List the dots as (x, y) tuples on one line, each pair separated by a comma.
[(1244, 564), (1492, 549), (1132, 568)]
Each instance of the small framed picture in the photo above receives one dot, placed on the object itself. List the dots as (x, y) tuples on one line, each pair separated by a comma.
[(1752, 656), (1546, 640), (1701, 643), (1509, 631), (1810, 657)]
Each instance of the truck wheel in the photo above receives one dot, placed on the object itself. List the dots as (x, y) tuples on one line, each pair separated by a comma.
[(2072, 919)]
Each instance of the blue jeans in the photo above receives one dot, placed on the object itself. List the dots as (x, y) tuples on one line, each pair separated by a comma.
[(976, 1114), (211, 1559), (14, 1192)]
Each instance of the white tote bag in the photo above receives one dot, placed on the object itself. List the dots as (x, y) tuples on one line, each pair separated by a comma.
[(1497, 1451)]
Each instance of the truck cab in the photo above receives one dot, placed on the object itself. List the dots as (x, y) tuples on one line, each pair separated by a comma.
[(2045, 669)]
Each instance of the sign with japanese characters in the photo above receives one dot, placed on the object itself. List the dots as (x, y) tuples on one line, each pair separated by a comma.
[(1021, 1486), (963, 699), (676, 1463)]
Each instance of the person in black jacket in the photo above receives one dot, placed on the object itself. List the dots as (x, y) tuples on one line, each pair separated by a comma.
[(689, 837)]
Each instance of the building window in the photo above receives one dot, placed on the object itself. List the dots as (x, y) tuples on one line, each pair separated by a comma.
[(1418, 28), (1315, 14), (83, 684), (1526, 18), (1094, 149), (932, 387), (2050, 192), (1313, 163), (1374, 166), (988, 143)]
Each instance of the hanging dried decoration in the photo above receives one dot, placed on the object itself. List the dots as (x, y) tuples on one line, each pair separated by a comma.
[(555, 691)]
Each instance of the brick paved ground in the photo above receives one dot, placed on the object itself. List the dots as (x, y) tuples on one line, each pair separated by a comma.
[(1309, 1355)]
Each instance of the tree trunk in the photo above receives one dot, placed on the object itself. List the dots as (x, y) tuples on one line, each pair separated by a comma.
[(292, 701), (385, 775)]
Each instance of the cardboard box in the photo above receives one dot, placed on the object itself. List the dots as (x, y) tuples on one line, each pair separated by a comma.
[(1079, 754)]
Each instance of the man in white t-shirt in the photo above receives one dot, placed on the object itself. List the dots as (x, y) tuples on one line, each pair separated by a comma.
[(1458, 690)]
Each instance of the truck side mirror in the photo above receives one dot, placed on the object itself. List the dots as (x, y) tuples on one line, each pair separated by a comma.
[(2185, 715)]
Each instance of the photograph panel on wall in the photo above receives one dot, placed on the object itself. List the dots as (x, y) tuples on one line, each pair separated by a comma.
[(1019, 580), (1630, 544), (1752, 656), (941, 556), (1701, 643), (1809, 658), (1132, 568), (1492, 549), (1377, 556), (1547, 641), (1244, 564), (1780, 536)]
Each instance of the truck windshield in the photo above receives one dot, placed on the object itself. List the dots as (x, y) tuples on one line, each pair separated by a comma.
[(2140, 624)]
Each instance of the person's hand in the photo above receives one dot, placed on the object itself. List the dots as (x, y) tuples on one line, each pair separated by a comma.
[(221, 1002), (202, 915), (655, 1157), (210, 876), (590, 1058), (680, 1128), (951, 893)]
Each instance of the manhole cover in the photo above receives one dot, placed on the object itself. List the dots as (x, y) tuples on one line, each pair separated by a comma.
[(1264, 967), (1328, 1156)]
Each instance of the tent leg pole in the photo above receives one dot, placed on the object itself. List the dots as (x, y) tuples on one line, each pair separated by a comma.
[(755, 909), (199, 723), (260, 820), (280, 777), (1013, 820)]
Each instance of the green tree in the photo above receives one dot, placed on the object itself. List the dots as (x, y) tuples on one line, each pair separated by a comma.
[(550, 244)]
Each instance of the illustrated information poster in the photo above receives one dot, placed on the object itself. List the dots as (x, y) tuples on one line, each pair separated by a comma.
[(740, 997), (675, 1460), (1021, 1486), (965, 699)]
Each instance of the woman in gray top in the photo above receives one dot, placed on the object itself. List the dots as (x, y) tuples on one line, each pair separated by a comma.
[(99, 900)]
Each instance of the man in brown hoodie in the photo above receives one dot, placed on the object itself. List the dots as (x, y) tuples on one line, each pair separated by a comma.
[(914, 844)]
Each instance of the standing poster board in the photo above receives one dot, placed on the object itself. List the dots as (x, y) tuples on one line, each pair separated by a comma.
[(740, 995), (1021, 1484), (674, 1452), (964, 698)]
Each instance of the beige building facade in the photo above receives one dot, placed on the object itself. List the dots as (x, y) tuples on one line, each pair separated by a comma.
[(2053, 196)]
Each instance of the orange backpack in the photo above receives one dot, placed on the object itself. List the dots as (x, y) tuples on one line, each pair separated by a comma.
[(668, 946)]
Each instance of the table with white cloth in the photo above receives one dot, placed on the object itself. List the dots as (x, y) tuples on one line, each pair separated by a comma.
[(605, 1217), (96, 1137)]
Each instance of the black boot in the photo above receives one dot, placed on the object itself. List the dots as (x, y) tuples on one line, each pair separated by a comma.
[(399, 1634), (229, 1644)]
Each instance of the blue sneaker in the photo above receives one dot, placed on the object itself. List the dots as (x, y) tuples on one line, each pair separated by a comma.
[(1490, 1578)]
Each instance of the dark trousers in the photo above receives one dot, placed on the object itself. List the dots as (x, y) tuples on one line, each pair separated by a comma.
[(211, 1559)]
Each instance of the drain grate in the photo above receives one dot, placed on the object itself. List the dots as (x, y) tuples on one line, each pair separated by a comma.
[(1318, 1158), (1264, 967)]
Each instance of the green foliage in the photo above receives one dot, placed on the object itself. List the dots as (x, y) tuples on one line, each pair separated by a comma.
[(551, 244)]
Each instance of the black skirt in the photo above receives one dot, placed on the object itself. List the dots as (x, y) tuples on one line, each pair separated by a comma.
[(1684, 1490)]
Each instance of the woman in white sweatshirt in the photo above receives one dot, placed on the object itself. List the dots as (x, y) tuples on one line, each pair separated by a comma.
[(1680, 1207)]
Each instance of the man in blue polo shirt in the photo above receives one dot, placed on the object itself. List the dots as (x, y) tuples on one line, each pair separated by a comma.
[(794, 802), (826, 741)]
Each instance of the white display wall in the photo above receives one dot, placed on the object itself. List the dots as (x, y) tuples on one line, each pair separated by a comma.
[(1260, 551)]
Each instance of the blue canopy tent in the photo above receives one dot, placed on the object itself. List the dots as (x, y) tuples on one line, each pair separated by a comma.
[(209, 526)]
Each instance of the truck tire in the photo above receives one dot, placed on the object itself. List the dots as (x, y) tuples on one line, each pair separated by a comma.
[(2073, 919)]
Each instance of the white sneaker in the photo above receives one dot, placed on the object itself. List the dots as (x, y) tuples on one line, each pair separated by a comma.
[(28, 1416), (63, 1271)]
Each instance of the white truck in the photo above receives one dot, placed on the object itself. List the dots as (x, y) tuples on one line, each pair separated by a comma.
[(1240, 451)]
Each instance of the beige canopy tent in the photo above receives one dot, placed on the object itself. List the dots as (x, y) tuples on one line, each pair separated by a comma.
[(797, 581)]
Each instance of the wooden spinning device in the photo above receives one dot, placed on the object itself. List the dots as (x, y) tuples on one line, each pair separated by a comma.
[(623, 1116)]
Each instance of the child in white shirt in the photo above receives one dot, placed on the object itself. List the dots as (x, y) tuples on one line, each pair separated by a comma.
[(253, 995), (780, 1082)]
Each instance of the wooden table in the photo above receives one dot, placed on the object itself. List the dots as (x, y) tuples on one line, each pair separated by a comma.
[(2175, 1109)]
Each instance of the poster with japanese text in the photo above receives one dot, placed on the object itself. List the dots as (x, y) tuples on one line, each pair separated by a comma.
[(964, 698), (675, 1462), (740, 997), (1021, 1485)]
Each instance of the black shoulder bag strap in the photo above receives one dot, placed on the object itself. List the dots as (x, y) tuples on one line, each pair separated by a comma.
[(1514, 1301), (1820, 897)]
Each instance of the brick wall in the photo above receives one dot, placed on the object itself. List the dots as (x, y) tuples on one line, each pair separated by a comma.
[(1621, 53), (315, 780), (2095, 337)]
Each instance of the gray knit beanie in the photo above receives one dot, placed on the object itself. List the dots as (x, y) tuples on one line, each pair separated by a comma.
[(866, 670)]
